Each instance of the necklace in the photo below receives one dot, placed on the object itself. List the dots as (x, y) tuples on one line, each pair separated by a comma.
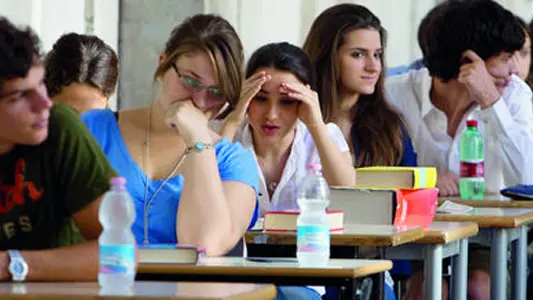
[(271, 183), (147, 203)]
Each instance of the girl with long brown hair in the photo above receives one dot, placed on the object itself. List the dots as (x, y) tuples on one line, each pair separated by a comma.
[(346, 44)]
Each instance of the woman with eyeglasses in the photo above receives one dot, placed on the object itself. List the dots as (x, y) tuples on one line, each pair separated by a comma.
[(188, 184)]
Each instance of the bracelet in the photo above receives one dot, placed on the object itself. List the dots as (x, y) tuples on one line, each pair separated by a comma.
[(198, 147)]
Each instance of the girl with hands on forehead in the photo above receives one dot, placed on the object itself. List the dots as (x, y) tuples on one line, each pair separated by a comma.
[(280, 120), (278, 117)]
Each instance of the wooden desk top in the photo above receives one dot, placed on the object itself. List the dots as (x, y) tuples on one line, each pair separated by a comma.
[(447, 232), (491, 217), (144, 290), (337, 268), (490, 202), (353, 235)]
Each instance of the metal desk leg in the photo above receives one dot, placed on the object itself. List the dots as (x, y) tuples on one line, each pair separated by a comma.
[(498, 265), (378, 288), (519, 263), (350, 290), (381, 276), (460, 271), (433, 272)]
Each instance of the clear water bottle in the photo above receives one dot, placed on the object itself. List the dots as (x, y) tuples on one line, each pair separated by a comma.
[(117, 242), (313, 237), (472, 156)]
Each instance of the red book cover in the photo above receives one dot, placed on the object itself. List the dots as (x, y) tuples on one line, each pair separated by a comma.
[(416, 207)]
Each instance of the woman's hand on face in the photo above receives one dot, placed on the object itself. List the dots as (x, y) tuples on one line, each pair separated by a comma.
[(188, 121), (309, 111), (250, 88)]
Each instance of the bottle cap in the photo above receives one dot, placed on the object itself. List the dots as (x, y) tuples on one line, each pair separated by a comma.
[(314, 167), (118, 181), (471, 123)]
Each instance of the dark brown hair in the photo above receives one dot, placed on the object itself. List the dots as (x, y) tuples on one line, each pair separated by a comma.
[(19, 51), (83, 59), (217, 38), (376, 126), (284, 57), (483, 26)]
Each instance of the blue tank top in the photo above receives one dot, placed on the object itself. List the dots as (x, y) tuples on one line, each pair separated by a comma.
[(235, 163)]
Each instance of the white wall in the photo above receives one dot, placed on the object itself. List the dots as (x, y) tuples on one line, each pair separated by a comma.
[(147, 23), (52, 18), (262, 21)]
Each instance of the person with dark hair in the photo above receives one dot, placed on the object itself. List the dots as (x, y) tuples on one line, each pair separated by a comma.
[(470, 74), (81, 71), (52, 171), (346, 44), (188, 184), (278, 118)]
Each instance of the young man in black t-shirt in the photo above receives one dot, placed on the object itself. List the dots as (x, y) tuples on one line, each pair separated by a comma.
[(51, 171)]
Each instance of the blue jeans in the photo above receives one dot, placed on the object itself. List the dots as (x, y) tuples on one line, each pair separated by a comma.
[(296, 293)]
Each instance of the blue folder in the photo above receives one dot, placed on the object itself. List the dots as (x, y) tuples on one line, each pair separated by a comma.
[(518, 192)]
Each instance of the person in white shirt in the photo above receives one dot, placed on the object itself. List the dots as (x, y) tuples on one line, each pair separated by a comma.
[(278, 117), (470, 74)]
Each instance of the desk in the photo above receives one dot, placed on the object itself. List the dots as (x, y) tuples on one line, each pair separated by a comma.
[(142, 290), (441, 240), (344, 243), (490, 202), (499, 227), (339, 272), (358, 235)]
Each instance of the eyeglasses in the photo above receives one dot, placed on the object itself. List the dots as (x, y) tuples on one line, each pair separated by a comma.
[(195, 86)]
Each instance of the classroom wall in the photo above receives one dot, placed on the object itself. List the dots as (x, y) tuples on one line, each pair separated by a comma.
[(144, 28), (52, 18), (261, 21), (137, 29)]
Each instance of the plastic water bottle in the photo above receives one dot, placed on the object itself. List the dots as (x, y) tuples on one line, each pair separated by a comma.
[(313, 237), (472, 156), (117, 242)]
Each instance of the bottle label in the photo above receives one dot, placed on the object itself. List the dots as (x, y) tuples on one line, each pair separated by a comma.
[(472, 169), (117, 259), (313, 238)]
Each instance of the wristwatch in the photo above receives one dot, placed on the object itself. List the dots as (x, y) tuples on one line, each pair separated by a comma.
[(17, 266)]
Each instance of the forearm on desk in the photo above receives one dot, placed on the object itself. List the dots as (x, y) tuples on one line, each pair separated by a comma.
[(73, 263), (204, 217)]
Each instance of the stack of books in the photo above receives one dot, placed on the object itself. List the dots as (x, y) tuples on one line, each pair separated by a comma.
[(383, 195)]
